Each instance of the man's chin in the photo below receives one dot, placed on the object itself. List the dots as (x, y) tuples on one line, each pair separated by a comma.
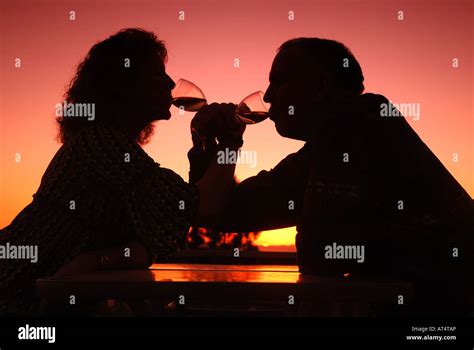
[(289, 132), (280, 129)]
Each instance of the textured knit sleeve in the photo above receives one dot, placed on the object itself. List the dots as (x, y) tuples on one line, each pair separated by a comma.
[(100, 190), (156, 205)]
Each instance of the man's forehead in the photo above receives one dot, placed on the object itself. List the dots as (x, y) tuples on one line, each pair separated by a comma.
[(289, 60)]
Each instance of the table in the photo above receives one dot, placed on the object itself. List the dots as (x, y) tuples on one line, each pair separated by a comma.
[(204, 284)]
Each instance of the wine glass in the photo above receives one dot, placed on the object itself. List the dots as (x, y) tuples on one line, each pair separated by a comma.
[(189, 97), (252, 109)]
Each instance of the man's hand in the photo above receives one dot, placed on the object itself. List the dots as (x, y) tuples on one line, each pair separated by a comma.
[(217, 121)]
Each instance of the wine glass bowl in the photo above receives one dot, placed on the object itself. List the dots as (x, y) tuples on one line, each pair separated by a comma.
[(188, 96), (252, 109)]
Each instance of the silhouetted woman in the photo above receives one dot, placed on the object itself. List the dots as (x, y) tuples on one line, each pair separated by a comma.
[(103, 202)]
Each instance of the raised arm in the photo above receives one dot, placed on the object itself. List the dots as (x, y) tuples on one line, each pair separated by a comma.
[(272, 199), (215, 128)]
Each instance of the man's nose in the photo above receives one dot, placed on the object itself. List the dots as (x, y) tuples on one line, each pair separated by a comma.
[(267, 96)]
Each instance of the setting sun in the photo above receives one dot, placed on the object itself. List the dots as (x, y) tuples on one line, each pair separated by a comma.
[(281, 239)]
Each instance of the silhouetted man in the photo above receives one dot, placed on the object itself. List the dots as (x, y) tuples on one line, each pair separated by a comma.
[(367, 195)]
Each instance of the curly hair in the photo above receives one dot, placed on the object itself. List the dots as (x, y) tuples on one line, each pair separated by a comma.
[(116, 92)]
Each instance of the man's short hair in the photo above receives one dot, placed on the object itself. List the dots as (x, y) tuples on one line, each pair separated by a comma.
[(335, 59)]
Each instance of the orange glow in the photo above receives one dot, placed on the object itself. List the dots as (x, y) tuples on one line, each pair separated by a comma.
[(206, 239), (281, 239), (407, 61)]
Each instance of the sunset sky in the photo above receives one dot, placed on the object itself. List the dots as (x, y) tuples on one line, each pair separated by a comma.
[(408, 61)]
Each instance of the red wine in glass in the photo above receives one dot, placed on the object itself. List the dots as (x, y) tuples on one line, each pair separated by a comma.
[(191, 104), (189, 97), (252, 109)]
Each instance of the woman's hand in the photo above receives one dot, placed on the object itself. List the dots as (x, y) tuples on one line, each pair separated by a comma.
[(108, 259)]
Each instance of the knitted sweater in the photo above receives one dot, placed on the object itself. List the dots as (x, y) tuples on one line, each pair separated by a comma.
[(100, 189)]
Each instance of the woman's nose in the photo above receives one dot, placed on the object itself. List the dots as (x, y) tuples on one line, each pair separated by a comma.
[(171, 83)]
